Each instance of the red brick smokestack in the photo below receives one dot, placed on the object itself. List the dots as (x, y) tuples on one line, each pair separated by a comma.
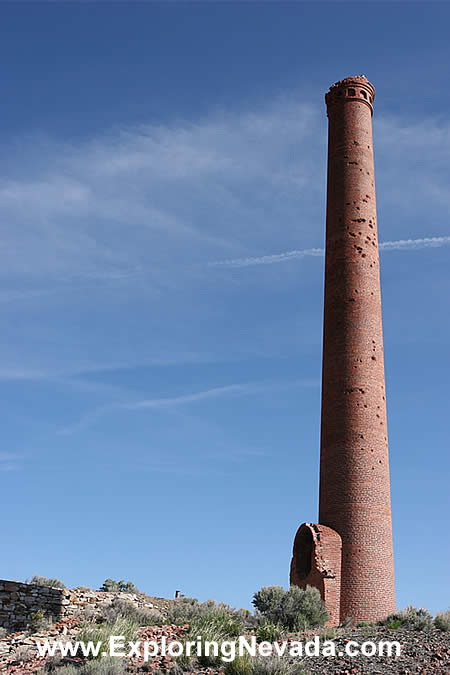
[(354, 499)]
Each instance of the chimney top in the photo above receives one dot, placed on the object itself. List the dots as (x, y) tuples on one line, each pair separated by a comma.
[(354, 88)]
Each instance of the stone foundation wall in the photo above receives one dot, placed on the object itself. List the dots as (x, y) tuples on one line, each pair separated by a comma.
[(18, 601)]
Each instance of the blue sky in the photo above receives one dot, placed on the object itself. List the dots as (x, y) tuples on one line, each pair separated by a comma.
[(162, 208)]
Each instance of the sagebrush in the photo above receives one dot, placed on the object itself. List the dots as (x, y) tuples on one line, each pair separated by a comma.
[(295, 609)]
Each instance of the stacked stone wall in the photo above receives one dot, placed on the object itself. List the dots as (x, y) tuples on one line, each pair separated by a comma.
[(19, 601)]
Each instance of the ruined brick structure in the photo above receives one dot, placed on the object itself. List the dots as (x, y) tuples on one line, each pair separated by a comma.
[(354, 499)]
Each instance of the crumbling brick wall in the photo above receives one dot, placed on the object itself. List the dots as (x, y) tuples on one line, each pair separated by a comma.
[(316, 561)]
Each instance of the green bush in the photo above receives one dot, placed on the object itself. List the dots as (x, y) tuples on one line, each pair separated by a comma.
[(395, 624), (241, 665), (295, 609), (269, 632), (118, 586), (44, 581), (268, 601), (442, 621), (38, 620)]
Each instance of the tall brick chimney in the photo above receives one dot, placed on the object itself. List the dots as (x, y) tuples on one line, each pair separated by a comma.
[(349, 556)]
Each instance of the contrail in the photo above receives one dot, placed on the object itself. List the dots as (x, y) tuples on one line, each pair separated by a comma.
[(399, 245)]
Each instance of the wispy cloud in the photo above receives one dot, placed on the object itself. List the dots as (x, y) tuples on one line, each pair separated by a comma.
[(400, 245), (269, 259), (110, 207), (415, 244), (9, 461), (216, 392), (175, 402), (111, 236)]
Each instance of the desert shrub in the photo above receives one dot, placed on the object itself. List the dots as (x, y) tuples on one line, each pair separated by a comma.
[(241, 665), (268, 631), (105, 666), (328, 633), (23, 654), (82, 588), (185, 610), (296, 609), (418, 619), (269, 665), (411, 617), (268, 601), (442, 621), (38, 620), (118, 586), (102, 632), (126, 609), (394, 624), (44, 581), (3, 632), (215, 627)]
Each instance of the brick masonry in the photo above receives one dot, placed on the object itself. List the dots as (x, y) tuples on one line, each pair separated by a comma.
[(354, 498), (18, 601), (316, 561)]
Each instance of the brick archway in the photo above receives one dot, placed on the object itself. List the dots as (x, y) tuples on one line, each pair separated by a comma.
[(316, 561)]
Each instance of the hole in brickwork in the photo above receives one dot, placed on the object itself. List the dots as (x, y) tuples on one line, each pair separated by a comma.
[(352, 163), (303, 552)]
